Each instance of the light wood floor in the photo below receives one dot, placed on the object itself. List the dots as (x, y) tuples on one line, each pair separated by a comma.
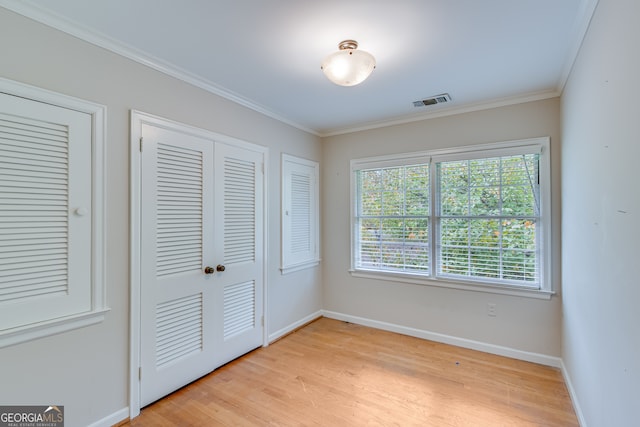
[(332, 373)]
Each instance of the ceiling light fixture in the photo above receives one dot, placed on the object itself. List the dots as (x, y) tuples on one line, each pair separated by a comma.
[(348, 66)]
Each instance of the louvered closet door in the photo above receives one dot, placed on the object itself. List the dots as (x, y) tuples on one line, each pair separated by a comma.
[(177, 298), (239, 234)]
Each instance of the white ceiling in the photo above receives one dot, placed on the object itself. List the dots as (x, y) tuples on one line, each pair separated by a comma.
[(266, 54)]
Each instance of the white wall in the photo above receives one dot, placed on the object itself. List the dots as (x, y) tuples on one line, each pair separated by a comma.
[(601, 218), (87, 369), (523, 324)]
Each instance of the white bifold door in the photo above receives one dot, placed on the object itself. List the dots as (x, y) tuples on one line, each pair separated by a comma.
[(201, 284)]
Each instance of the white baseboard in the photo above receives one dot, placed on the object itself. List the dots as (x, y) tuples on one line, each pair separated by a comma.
[(573, 395), (115, 418), (292, 327), (542, 359)]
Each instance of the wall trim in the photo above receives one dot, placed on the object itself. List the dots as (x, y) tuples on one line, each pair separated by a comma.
[(295, 325), (446, 112), (581, 26), (513, 353), (115, 418), (572, 393), (76, 29), (39, 14)]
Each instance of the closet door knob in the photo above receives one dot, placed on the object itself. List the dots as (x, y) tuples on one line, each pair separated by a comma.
[(208, 270), (220, 267)]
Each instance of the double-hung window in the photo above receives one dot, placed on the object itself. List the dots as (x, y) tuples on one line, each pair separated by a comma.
[(392, 217), (474, 217)]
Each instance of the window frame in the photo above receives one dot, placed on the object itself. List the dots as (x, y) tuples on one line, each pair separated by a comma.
[(499, 149), (97, 286)]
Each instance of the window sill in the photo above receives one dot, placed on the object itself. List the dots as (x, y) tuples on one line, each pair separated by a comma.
[(34, 331), (455, 284), (301, 266)]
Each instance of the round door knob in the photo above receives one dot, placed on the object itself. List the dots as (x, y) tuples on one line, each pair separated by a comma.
[(220, 267), (208, 270)]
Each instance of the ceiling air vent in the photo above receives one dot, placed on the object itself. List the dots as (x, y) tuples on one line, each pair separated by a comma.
[(437, 99)]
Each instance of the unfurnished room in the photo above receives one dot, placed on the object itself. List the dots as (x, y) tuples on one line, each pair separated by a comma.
[(319, 213)]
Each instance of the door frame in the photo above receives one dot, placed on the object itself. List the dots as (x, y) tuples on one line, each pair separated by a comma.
[(137, 119)]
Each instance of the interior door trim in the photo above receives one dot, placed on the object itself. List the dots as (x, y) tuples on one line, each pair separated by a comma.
[(137, 119)]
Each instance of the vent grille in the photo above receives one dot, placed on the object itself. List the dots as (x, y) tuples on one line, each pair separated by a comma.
[(437, 99)]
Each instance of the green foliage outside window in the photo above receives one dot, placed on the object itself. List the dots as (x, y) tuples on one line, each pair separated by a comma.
[(394, 218)]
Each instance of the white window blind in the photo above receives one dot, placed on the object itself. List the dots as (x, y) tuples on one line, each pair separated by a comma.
[(49, 256), (488, 212), (300, 194)]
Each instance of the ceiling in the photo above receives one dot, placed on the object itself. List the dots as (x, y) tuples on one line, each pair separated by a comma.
[(266, 55)]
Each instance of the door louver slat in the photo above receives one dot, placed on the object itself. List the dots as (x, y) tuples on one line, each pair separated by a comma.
[(179, 218), (178, 329), (34, 203), (239, 308), (239, 208)]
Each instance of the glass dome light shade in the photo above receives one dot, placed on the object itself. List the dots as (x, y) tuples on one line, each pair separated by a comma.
[(348, 67)]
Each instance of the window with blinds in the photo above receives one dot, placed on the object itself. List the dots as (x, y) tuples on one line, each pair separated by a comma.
[(393, 218), (50, 231), (488, 210), (477, 215), (300, 227)]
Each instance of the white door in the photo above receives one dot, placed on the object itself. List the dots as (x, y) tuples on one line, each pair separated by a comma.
[(238, 235), (185, 297)]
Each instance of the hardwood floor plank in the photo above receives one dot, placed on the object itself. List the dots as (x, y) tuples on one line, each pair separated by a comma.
[(333, 373)]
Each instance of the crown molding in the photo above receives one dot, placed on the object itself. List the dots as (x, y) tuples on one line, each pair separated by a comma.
[(444, 112), (35, 12), (75, 29), (579, 32)]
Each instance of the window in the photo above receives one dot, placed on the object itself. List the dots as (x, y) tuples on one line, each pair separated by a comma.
[(393, 218), (470, 217), (51, 231), (300, 194)]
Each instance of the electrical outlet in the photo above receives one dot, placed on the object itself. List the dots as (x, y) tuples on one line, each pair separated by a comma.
[(491, 309)]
